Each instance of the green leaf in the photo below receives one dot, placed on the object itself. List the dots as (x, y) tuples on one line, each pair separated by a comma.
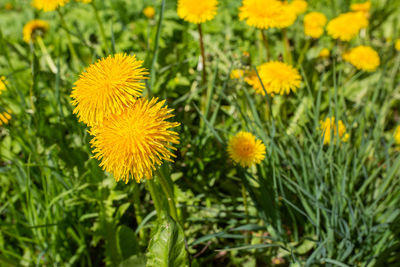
[(127, 242), (167, 245), (135, 260)]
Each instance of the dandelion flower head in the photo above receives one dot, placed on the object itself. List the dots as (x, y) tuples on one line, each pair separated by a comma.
[(245, 150), (5, 117), (197, 12), (107, 87), (329, 128), (3, 83), (346, 26), (299, 6), (363, 58), (237, 74), (133, 143), (265, 14), (397, 135), (277, 78), (48, 5), (314, 23), (149, 12), (397, 45), (324, 53), (8, 6), (34, 28), (361, 7), (84, 1)]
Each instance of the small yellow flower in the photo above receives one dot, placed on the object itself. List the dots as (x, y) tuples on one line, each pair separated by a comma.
[(48, 5), (197, 12), (361, 7), (299, 6), (84, 1), (265, 14), (237, 74), (314, 23), (397, 135), (324, 53), (363, 58), (3, 84), (329, 127), (277, 78), (135, 142), (8, 6), (245, 150), (107, 87), (5, 117), (397, 45), (149, 12), (346, 26), (34, 28)]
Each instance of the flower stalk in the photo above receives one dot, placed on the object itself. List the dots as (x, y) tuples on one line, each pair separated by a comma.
[(203, 55), (69, 41), (101, 27), (168, 191), (266, 44)]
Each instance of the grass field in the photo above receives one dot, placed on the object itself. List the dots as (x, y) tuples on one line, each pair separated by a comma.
[(324, 194)]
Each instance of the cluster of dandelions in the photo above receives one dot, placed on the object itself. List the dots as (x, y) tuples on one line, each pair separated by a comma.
[(131, 134)]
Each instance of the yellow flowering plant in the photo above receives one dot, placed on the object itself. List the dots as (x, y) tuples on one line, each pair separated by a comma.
[(363, 58)]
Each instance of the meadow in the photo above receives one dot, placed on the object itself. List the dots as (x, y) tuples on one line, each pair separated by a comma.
[(199, 133)]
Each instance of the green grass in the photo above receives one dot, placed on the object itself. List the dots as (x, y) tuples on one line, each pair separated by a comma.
[(309, 204)]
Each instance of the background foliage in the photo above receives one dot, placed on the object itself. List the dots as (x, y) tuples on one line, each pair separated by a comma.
[(305, 205)]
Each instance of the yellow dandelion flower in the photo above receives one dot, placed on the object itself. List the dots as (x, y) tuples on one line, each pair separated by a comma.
[(3, 84), (361, 7), (363, 58), (314, 23), (329, 127), (135, 142), (8, 6), (237, 74), (107, 87), (324, 53), (299, 6), (5, 117), (48, 5), (397, 135), (265, 14), (346, 26), (197, 12), (245, 150), (397, 45), (34, 28), (149, 12), (84, 1), (277, 78)]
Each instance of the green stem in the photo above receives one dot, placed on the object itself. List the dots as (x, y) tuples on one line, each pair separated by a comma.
[(286, 45), (303, 53), (203, 54), (266, 44), (246, 211), (64, 25), (136, 204), (101, 27), (46, 55), (151, 186), (155, 51), (169, 194)]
